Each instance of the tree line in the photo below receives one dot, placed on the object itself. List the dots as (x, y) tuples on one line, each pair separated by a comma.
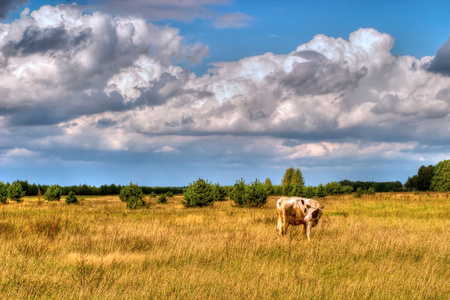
[(88, 190)]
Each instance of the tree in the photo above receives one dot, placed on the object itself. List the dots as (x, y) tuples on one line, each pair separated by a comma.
[(309, 192), (53, 193), (292, 178), (199, 193), (320, 191), (297, 190), (441, 177), (71, 198), (238, 192), (3, 193), (286, 182), (162, 199), (133, 196), (15, 192), (255, 194), (269, 187), (220, 192), (333, 188)]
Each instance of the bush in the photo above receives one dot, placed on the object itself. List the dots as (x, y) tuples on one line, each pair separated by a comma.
[(297, 190), (15, 192), (71, 198), (320, 191), (152, 195), (278, 190), (199, 193), (53, 193), (309, 192), (238, 192), (220, 192), (169, 194), (3, 193), (255, 194), (162, 199), (347, 189), (358, 192), (133, 196)]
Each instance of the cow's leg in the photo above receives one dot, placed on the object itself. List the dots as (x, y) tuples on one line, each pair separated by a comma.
[(285, 225), (307, 230), (280, 224)]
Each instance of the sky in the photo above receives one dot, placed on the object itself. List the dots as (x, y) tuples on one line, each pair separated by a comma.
[(163, 92)]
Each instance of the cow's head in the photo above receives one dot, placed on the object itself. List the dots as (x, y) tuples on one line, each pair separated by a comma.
[(313, 215)]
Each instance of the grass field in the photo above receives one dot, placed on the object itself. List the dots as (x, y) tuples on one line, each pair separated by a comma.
[(388, 246)]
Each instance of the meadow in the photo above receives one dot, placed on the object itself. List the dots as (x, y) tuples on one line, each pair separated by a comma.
[(387, 246)]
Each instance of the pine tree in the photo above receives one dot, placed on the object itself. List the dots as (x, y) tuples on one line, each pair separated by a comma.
[(3, 193), (15, 192), (71, 198)]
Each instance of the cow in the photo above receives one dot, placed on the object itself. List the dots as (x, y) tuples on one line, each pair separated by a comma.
[(297, 211)]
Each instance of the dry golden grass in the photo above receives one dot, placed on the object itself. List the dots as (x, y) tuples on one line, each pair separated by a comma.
[(388, 246)]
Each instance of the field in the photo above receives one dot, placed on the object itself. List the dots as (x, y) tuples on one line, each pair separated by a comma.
[(387, 246)]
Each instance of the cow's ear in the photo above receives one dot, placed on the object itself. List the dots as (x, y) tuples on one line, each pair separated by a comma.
[(322, 207)]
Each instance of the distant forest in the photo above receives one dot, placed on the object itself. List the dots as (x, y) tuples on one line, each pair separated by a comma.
[(32, 189)]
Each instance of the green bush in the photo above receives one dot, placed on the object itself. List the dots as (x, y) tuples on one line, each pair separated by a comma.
[(238, 192), (71, 198), (309, 192), (255, 194), (320, 191), (162, 199), (15, 192), (199, 193), (53, 193), (347, 189), (169, 194), (358, 192), (152, 195), (220, 192), (133, 196), (297, 190), (3, 193)]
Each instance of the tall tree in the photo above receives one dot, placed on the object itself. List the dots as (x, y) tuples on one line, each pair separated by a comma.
[(15, 192), (441, 177)]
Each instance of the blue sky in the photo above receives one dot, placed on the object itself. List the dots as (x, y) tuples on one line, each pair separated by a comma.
[(164, 92)]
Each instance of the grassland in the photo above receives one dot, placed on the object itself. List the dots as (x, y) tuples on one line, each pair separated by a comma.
[(388, 246)]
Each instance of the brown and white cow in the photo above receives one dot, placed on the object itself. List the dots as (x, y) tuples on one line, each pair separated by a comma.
[(297, 211)]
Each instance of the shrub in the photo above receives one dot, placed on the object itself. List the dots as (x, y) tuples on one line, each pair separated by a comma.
[(347, 189), (297, 190), (71, 198), (3, 193), (133, 196), (320, 191), (238, 192), (309, 192), (53, 193), (162, 199), (152, 195), (370, 191), (269, 187), (220, 192), (255, 194), (278, 190), (15, 192), (358, 192), (199, 193), (169, 194)]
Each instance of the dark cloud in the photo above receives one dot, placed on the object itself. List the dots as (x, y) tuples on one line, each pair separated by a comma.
[(66, 109), (441, 61), (105, 123), (7, 5), (319, 78), (310, 55)]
